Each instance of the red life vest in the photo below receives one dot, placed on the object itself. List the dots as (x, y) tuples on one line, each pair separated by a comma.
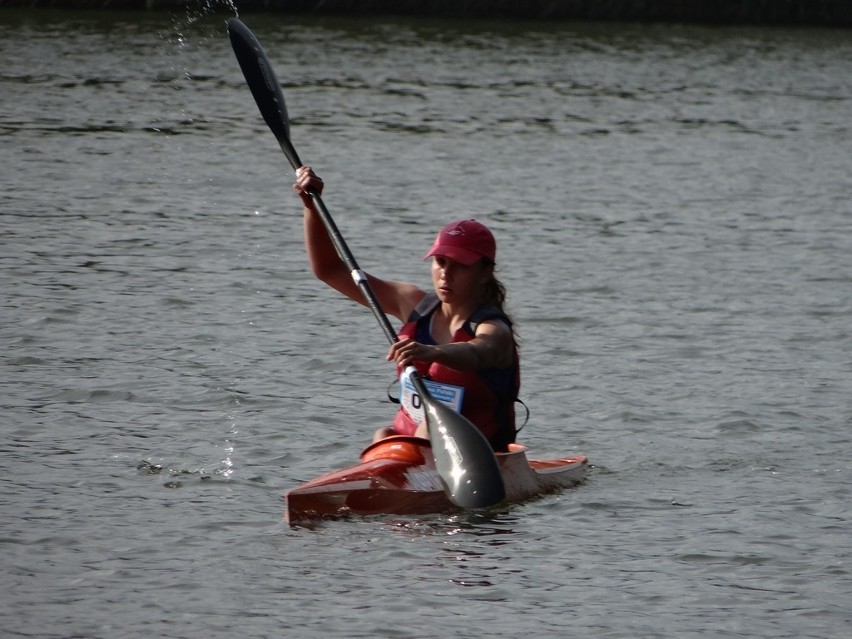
[(489, 394)]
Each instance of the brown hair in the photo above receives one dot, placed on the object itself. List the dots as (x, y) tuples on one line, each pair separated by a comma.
[(494, 293)]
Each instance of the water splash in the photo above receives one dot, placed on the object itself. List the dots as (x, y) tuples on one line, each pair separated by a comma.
[(188, 35)]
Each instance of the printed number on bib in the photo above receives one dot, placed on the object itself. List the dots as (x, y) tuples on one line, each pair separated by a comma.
[(448, 394)]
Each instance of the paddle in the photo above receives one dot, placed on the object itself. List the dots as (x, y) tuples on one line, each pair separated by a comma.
[(463, 457)]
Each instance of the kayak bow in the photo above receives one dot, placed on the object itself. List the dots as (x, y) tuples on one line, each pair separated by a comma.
[(397, 475)]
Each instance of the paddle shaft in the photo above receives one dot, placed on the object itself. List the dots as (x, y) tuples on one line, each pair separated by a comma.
[(358, 276), (270, 99)]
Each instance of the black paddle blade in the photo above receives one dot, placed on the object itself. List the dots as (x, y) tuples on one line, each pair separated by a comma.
[(463, 457), (263, 84)]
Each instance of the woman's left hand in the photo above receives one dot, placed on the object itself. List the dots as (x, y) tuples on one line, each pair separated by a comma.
[(407, 351)]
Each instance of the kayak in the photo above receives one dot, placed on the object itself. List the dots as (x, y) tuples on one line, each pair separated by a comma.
[(397, 475)]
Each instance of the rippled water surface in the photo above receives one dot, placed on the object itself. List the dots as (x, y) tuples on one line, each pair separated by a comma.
[(674, 225)]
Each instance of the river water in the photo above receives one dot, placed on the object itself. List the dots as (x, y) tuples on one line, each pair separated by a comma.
[(674, 224)]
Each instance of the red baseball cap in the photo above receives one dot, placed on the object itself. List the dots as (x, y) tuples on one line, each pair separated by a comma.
[(465, 241)]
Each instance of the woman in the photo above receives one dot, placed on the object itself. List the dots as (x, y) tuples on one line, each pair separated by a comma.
[(458, 336)]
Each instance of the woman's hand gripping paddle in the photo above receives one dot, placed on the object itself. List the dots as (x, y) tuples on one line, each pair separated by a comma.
[(463, 457)]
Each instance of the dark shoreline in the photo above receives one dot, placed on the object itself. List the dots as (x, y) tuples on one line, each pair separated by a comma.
[(823, 13)]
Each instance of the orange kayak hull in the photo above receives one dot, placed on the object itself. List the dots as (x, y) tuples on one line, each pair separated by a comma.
[(397, 476)]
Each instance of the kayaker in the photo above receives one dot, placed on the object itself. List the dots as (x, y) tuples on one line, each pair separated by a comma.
[(457, 336)]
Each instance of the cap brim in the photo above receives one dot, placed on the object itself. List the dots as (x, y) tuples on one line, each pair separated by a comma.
[(457, 253)]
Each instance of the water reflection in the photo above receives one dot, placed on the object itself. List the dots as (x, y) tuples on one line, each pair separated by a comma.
[(492, 523)]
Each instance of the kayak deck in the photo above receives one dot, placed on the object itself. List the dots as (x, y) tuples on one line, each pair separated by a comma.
[(397, 475)]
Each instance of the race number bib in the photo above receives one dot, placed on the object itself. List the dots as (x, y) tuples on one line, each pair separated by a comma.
[(448, 394)]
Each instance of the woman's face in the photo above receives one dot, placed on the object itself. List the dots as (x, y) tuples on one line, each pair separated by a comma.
[(455, 282)]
